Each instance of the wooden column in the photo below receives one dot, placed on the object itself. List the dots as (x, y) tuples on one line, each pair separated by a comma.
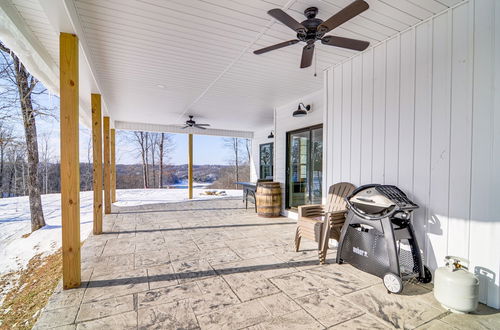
[(70, 162), (190, 166), (107, 167), (97, 157), (113, 166)]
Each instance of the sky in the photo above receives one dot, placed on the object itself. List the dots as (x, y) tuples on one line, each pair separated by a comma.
[(206, 149)]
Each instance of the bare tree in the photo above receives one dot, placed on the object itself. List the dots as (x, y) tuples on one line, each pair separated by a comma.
[(161, 142), (5, 139), (153, 143), (248, 147), (234, 145), (165, 147), (15, 72), (46, 154), (146, 153), (88, 171), (139, 138)]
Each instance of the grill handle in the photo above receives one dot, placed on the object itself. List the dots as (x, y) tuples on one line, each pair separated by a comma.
[(363, 215)]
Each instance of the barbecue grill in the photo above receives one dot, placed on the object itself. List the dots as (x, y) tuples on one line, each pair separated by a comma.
[(378, 236)]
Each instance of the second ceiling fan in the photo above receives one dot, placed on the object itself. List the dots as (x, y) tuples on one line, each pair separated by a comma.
[(314, 29)]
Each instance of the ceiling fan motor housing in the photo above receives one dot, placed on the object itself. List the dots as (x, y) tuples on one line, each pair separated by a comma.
[(190, 122), (311, 24)]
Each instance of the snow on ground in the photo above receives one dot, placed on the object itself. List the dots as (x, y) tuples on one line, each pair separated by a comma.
[(16, 251), (135, 197)]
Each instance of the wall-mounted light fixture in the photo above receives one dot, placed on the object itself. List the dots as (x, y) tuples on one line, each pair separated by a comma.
[(271, 135), (302, 110)]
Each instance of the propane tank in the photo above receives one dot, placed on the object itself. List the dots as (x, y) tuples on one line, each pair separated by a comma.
[(454, 287)]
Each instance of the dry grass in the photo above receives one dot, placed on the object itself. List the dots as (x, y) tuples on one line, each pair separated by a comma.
[(21, 306)]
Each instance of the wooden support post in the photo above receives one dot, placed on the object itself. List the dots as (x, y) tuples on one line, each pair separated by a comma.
[(190, 166), (113, 166), (107, 167), (70, 161), (97, 157)]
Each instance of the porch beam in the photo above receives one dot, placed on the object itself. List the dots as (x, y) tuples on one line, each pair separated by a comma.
[(113, 166), (145, 127), (190, 166), (97, 158), (107, 166), (70, 162)]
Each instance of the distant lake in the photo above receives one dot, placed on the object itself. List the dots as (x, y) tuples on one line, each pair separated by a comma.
[(184, 185)]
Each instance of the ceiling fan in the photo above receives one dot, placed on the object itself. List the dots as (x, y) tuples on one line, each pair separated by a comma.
[(314, 29), (191, 123)]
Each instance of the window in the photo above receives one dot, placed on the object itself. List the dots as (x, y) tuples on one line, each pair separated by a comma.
[(266, 161)]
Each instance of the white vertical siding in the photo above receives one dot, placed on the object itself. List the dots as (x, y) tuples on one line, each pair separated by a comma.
[(336, 143), (356, 119), (422, 127), (421, 110), (461, 131), (366, 117), (391, 159), (379, 98), (484, 244), (440, 139)]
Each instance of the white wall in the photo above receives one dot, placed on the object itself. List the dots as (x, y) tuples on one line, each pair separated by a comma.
[(422, 111), (284, 122), (259, 137)]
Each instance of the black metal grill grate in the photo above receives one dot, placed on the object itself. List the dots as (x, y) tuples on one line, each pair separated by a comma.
[(396, 195)]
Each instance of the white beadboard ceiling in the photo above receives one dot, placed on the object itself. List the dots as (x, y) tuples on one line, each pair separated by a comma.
[(201, 52)]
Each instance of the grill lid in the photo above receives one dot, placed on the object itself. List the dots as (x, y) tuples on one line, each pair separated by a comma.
[(371, 201), (377, 199)]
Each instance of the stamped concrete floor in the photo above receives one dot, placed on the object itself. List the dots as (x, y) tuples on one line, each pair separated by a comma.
[(214, 265)]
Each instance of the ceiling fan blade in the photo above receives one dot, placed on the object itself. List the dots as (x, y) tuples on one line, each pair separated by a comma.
[(307, 56), (185, 126), (199, 126), (286, 19), (352, 10), (345, 43), (277, 46), (203, 124)]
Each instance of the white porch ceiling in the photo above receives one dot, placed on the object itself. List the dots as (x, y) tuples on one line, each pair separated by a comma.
[(201, 52)]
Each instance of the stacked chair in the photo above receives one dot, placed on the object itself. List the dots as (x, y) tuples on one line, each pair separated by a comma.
[(322, 222)]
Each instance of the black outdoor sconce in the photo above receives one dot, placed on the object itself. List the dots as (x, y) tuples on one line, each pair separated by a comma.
[(301, 111), (271, 135)]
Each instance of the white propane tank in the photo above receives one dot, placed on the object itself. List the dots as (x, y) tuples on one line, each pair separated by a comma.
[(454, 287)]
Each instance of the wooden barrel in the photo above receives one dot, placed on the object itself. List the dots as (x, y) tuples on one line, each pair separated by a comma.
[(268, 198)]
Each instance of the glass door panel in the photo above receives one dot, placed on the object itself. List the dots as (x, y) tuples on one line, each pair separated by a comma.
[(316, 165), (304, 167)]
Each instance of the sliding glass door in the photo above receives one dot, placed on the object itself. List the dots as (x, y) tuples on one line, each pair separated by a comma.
[(304, 166)]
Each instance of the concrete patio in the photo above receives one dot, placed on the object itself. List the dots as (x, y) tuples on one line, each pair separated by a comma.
[(215, 265)]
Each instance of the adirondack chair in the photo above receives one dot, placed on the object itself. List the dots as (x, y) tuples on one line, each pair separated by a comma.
[(322, 222)]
